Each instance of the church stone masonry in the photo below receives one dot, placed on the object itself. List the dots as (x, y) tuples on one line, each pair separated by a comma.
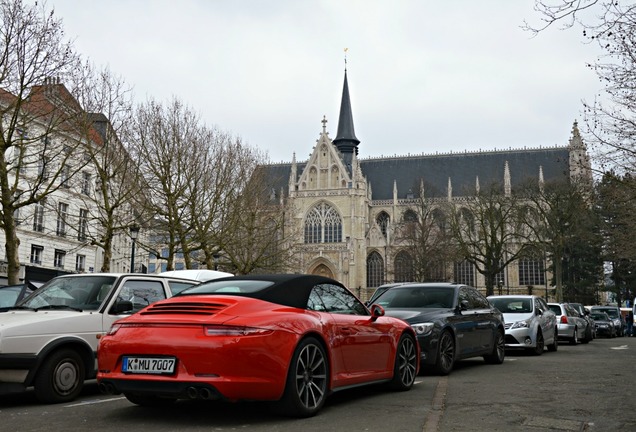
[(336, 197)]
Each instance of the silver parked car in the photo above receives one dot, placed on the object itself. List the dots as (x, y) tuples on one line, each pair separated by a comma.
[(570, 323), (530, 324)]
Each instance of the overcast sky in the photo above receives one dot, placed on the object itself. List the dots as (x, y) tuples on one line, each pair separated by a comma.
[(424, 76)]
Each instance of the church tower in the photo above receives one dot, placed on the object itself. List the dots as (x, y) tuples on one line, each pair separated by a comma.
[(331, 203)]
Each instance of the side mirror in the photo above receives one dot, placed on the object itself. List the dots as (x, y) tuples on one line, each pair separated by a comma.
[(121, 307), (463, 305), (376, 311), (539, 312)]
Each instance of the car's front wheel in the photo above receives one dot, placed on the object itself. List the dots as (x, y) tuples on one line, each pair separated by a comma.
[(307, 380), (60, 378), (540, 344), (405, 368), (445, 353)]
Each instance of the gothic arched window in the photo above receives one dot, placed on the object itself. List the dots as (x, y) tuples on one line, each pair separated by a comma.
[(375, 270), (323, 225), (382, 219), (403, 267), (409, 216)]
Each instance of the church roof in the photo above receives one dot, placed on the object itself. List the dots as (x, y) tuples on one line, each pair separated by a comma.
[(463, 169)]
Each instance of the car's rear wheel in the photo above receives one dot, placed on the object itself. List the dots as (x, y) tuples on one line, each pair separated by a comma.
[(588, 335), (498, 350), (307, 380), (554, 346), (540, 344), (575, 339), (445, 353), (149, 400), (60, 378), (405, 368)]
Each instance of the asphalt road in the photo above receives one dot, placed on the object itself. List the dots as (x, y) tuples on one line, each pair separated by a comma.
[(588, 387)]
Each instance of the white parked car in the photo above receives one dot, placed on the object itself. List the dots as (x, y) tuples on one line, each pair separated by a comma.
[(530, 324), (49, 340)]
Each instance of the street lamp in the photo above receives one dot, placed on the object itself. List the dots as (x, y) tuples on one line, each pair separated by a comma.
[(134, 233), (216, 261)]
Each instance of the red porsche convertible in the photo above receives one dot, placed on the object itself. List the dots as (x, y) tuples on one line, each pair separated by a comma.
[(286, 338)]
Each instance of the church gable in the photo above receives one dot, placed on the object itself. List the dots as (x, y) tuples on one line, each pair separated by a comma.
[(325, 169)]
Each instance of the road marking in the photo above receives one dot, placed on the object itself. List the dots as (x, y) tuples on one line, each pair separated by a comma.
[(622, 347), (95, 401), (437, 406)]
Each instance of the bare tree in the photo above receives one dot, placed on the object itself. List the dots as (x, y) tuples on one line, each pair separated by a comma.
[(487, 231), (42, 126), (610, 121), (255, 234), (164, 140), (114, 183), (423, 234), (552, 217)]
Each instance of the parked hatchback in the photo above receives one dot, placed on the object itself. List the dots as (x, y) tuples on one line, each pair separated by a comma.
[(529, 322), (570, 324)]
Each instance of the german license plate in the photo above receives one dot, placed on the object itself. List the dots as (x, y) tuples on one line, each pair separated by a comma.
[(148, 365)]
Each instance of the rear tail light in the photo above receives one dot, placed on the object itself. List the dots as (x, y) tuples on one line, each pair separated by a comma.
[(564, 319)]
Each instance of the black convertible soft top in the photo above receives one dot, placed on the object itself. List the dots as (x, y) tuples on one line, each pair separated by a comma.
[(285, 289)]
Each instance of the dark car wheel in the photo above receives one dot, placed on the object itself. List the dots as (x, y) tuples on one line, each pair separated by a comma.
[(445, 353), (149, 400), (498, 350), (405, 367), (60, 378), (575, 339), (538, 349), (588, 335), (306, 387), (554, 346)]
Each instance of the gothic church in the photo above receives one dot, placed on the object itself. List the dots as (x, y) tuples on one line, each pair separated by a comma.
[(345, 207)]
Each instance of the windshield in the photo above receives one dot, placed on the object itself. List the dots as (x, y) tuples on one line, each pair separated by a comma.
[(238, 287), (599, 317), (417, 297), (81, 292), (613, 313), (512, 305)]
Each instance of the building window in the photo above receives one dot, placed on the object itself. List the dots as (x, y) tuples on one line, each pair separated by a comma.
[(531, 272), (83, 225), (375, 270), (65, 174), (464, 273), (403, 267), (383, 222), (86, 183), (38, 217), (80, 263), (58, 259), (36, 254), (62, 211), (323, 225), (43, 168)]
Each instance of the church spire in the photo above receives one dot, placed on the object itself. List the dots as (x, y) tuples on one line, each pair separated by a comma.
[(346, 141)]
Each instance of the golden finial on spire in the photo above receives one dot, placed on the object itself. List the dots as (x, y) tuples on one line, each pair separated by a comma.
[(345, 57)]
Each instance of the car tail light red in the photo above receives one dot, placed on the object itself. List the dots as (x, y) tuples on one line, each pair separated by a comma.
[(564, 319)]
